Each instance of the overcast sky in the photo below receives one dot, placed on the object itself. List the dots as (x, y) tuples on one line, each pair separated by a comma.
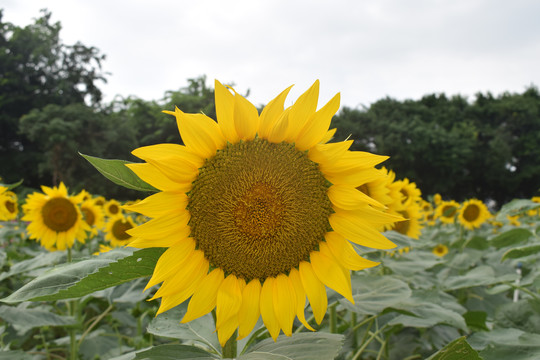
[(364, 49)]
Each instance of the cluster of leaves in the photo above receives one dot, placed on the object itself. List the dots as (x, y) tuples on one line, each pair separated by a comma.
[(414, 305), (485, 148)]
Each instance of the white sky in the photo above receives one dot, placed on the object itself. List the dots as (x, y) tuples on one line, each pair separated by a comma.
[(364, 49)]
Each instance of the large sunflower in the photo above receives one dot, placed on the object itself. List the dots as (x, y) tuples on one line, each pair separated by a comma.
[(473, 213), (55, 218), (256, 212)]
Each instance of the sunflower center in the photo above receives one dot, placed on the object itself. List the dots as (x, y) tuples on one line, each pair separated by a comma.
[(59, 214), (10, 206), (449, 211), (403, 227), (258, 209), (471, 212), (89, 216), (119, 229), (113, 209)]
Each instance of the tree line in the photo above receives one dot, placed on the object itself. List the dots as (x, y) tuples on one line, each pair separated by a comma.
[(51, 108)]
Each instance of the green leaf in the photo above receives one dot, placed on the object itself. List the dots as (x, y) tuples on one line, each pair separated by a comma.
[(12, 186), (478, 243), (476, 320), (200, 330), (118, 173), (478, 276), (517, 206), (520, 252), (23, 319), (16, 354), (174, 352), (428, 315), (458, 349), (511, 237), (375, 293), (87, 276), (302, 346), (504, 337), (39, 261)]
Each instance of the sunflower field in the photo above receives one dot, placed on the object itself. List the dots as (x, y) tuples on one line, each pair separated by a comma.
[(263, 237)]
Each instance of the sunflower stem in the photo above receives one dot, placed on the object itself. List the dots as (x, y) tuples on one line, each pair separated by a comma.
[(229, 349), (74, 312), (333, 318)]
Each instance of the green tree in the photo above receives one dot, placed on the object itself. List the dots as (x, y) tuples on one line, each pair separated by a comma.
[(37, 70)]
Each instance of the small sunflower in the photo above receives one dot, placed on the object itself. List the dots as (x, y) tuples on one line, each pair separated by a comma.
[(112, 208), (55, 218), (255, 211), (410, 192), (473, 213), (440, 250), (85, 195), (116, 230), (411, 225), (9, 208), (437, 199), (93, 216), (100, 201), (446, 211)]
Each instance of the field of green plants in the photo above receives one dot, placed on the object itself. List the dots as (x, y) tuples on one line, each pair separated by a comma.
[(453, 293)]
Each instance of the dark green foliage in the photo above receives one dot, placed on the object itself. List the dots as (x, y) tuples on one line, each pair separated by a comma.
[(487, 148)]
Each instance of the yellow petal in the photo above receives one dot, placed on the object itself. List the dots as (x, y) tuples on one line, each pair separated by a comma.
[(284, 303), (184, 277), (201, 134), (294, 276), (159, 204), (246, 118), (349, 198), (176, 169), (279, 130), (170, 301), (315, 129), (204, 298), (267, 308), (162, 151), (249, 312), (226, 330), (359, 232), (353, 161), (163, 226), (328, 136), (229, 299), (315, 291), (301, 111), (271, 113), (332, 274), (150, 174), (224, 112), (353, 178), (342, 250), (329, 152), (170, 262)]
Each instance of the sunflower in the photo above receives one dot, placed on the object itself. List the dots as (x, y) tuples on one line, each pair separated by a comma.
[(93, 215), (100, 201), (473, 213), (9, 209), (85, 195), (410, 192), (255, 211), (446, 211), (55, 218), (116, 230), (440, 250), (411, 225), (437, 199), (112, 208)]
